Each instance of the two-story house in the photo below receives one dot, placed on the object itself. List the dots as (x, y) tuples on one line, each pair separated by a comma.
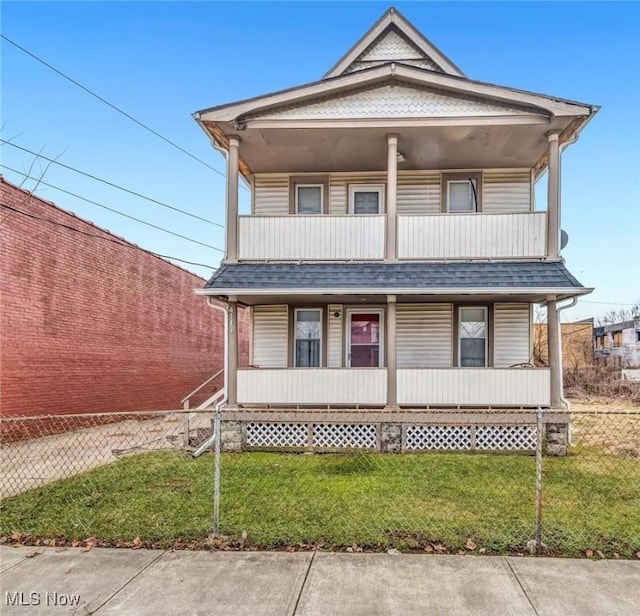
[(393, 252)]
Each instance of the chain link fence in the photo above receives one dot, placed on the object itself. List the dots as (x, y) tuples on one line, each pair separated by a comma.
[(430, 481)]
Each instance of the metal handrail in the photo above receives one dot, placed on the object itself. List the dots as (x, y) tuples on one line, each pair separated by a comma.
[(197, 389)]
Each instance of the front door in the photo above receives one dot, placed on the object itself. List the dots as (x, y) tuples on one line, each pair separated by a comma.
[(364, 339)]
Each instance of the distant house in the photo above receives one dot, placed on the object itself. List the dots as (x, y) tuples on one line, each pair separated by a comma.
[(93, 323), (618, 343), (577, 344)]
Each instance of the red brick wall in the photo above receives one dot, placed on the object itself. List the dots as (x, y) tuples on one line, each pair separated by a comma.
[(89, 325)]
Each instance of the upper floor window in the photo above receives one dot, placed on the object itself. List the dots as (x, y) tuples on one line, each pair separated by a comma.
[(309, 198), (366, 199), (617, 338), (461, 192)]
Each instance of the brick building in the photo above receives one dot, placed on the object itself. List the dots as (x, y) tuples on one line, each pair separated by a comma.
[(93, 323)]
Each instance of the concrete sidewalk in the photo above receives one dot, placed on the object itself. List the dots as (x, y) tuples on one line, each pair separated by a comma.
[(158, 583)]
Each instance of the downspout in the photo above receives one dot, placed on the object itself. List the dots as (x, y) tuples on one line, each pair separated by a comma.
[(564, 401), (226, 343)]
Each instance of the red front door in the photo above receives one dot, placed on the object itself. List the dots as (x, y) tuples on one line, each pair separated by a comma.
[(364, 339)]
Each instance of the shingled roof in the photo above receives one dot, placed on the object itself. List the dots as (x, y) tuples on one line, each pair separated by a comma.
[(380, 276)]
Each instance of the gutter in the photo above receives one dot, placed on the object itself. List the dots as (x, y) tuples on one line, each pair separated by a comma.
[(564, 401), (226, 343)]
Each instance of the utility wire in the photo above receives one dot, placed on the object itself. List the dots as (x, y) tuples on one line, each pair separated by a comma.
[(113, 240), (109, 104), (112, 184), (110, 209), (585, 301)]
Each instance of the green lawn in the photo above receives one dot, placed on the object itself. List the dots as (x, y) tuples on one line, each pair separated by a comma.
[(372, 500)]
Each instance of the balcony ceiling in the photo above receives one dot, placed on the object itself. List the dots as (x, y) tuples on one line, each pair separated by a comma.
[(297, 150)]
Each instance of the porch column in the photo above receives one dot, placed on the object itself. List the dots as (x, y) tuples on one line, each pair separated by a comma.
[(232, 201), (232, 364), (553, 197), (390, 337), (554, 350), (392, 192)]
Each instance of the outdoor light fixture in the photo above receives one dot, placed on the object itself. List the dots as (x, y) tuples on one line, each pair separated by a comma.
[(400, 157)]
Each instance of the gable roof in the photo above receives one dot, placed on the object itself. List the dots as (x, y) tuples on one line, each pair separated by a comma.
[(393, 72), (393, 39)]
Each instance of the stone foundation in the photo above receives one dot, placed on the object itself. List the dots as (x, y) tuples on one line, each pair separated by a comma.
[(391, 438), (556, 439), (231, 435)]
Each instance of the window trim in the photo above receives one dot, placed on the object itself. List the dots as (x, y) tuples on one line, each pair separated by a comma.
[(347, 332), (355, 188), (320, 311), (459, 176), (308, 180), (487, 334)]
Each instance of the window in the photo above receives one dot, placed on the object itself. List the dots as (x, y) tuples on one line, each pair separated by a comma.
[(309, 198), (617, 338), (472, 337), (366, 199), (600, 342), (461, 192), (308, 337)]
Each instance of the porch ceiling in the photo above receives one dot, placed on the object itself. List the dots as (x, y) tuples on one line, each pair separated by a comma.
[(454, 144)]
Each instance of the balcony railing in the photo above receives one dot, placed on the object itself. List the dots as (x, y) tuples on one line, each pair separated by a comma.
[(508, 387), (474, 386), (312, 386), (469, 236), (311, 238), (362, 238)]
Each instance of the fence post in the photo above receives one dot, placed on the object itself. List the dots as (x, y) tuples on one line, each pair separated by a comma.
[(540, 434), (216, 471), (185, 424)]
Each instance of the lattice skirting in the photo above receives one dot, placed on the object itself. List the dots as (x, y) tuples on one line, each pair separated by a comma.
[(412, 437)]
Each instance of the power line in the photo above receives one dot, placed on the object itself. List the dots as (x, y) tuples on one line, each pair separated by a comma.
[(110, 209), (113, 240), (112, 184), (585, 301), (109, 104)]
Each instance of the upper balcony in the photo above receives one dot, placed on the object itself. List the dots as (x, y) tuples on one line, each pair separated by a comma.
[(485, 214), (420, 237)]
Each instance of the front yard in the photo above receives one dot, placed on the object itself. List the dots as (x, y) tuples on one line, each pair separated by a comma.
[(433, 502)]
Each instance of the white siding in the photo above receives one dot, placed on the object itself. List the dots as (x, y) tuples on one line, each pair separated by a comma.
[(271, 194), (468, 236), (334, 336), (424, 335), (290, 238), (270, 336), (418, 192), (506, 191), (313, 386), (474, 387), (511, 334)]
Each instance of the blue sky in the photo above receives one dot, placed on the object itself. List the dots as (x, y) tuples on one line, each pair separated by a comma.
[(161, 61)]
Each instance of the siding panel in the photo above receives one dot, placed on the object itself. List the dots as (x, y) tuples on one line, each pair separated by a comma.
[(271, 194), (512, 335), (424, 338), (270, 336), (418, 192), (506, 191), (334, 337)]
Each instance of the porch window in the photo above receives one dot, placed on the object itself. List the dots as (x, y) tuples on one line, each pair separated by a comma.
[(461, 192), (308, 337), (309, 198), (366, 199), (472, 337)]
